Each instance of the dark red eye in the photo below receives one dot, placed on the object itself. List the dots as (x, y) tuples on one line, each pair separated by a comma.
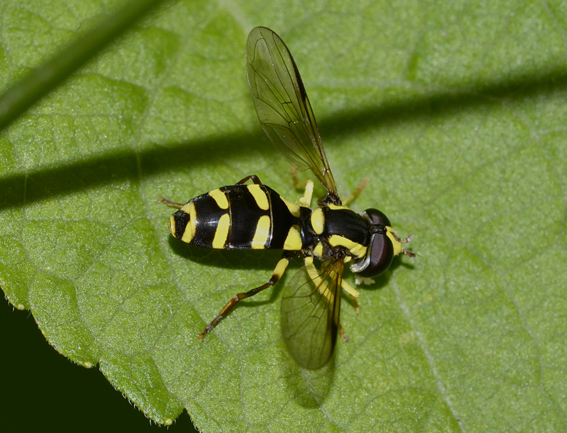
[(380, 255), (377, 217), (380, 250)]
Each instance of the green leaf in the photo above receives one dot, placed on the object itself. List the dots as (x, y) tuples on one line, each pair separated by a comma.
[(456, 112)]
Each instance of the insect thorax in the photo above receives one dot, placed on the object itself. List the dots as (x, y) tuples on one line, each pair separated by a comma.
[(335, 232)]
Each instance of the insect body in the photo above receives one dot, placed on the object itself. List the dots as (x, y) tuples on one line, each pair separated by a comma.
[(254, 216)]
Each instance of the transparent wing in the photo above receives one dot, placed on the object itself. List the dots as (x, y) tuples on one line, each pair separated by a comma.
[(282, 104), (310, 313)]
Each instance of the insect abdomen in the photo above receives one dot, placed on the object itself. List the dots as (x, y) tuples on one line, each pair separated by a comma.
[(239, 217)]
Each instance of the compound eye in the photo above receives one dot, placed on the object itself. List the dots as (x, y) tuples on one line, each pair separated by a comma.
[(377, 217), (380, 255)]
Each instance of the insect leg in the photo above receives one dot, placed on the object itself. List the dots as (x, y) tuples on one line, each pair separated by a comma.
[(357, 191), (252, 177), (349, 289), (353, 294), (343, 335), (407, 252), (277, 274), (308, 185), (296, 183), (307, 195), (170, 203), (316, 279)]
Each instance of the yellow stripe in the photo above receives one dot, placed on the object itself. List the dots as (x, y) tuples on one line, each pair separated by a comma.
[(396, 242), (292, 207), (220, 198), (189, 232), (260, 196), (171, 225), (318, 250), (335, 207), (318, 220), (293, 240), (262, 233), (355, 248), (221, 234)]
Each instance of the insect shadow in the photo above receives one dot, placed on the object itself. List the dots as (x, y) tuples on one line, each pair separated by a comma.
[(309, 388), (230, 259), (382, 280), (250, 260)]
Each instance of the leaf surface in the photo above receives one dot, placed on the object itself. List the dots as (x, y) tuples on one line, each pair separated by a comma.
[(456, 112)]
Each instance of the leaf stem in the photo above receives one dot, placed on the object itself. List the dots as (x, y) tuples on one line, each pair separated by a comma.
[(47, 77)]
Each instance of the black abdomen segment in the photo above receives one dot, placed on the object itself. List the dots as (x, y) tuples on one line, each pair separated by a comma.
[(238, 217)]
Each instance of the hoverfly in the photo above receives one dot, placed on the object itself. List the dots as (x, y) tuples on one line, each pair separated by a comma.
[(254, 216)]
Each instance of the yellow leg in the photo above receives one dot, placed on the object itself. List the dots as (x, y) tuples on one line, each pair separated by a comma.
[(294, 178), (308, 185), (352, 293), (357, 191), (350, 290), (317, 281), (323, 288), (307, 195)]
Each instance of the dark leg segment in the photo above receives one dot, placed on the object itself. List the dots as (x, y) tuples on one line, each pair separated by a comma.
[(253, 178), (343, 335), (278, 272), (170, 203)]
